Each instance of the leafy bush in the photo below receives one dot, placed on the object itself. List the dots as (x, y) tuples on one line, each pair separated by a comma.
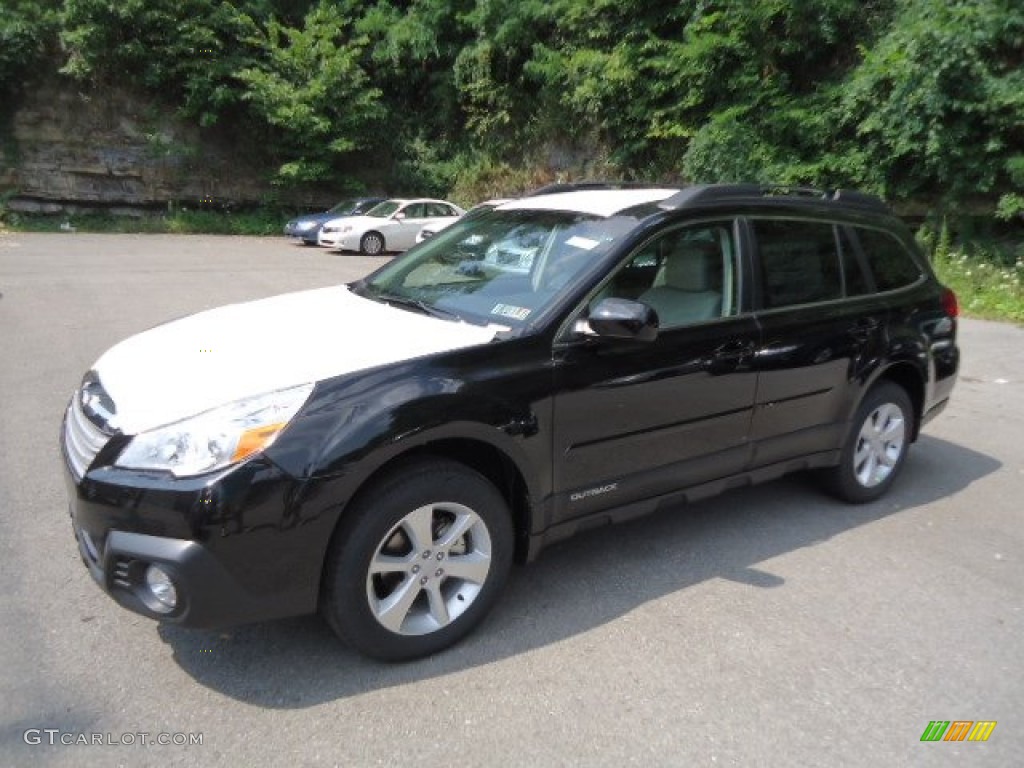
[(938, 103), (183, 51), (310, 88), (27, 33)]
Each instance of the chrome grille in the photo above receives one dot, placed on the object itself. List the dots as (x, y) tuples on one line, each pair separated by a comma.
[(82, 439)]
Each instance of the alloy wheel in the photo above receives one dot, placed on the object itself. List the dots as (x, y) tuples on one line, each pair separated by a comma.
[(879, 445), (428, 569)]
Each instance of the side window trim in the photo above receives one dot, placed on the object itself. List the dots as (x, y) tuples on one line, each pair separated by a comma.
[(750, 289), (860, 257)]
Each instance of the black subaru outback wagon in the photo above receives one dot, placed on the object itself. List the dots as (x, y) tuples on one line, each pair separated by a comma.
[(383, 451)]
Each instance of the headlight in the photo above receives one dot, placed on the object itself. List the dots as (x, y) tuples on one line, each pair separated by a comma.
[(217, 438), (304, 225), (346, 228)]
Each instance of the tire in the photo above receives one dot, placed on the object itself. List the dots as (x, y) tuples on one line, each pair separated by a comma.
[(372, 244), (876, 447), (420, 560)]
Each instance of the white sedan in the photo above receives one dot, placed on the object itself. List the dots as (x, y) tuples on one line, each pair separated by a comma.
[(432, 229), (388, 226)]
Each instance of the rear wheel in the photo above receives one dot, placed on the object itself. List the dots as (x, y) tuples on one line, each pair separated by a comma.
[(420, 561), (372, 243), (877, 445)]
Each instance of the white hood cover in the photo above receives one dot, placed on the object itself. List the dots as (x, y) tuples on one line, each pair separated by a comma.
[(191, 365)]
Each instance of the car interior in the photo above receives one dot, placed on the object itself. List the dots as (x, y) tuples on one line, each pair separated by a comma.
[(685, 276)]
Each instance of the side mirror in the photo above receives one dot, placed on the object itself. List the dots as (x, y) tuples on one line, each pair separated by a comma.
[(399, 215), (624, 319)]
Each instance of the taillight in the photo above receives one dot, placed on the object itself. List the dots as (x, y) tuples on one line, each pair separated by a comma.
[(949, 303)]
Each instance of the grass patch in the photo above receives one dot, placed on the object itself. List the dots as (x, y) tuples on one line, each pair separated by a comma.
[(179, 222), (986, 273), (211, 222), (985, 286)]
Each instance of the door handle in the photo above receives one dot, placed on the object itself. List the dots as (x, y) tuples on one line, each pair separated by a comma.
[(729, 357), (864, 328)]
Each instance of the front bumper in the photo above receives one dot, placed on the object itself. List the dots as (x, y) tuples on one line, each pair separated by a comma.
[(345, 241), (235, 547), (310, 235), (120, 571), (292, 229)]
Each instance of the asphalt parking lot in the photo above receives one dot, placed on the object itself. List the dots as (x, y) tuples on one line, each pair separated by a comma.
[(768, 627)]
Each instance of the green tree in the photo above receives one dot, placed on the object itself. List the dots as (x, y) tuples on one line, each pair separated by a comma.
[(501, 101), (937, 106), (758, 85), (28, 32), (310, 88), (919, 99), (184, 52), (409, 58)]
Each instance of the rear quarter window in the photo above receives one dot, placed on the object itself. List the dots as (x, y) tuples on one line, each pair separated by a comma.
[(889, 260)]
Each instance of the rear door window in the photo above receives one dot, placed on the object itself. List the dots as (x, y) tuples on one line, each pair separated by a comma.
[(800, 262)]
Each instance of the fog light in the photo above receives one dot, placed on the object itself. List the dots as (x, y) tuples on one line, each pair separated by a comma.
[(162, 589)]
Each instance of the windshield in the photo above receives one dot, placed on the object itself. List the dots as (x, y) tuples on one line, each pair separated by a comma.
[(345, 206), (502, 267), (383, 210)]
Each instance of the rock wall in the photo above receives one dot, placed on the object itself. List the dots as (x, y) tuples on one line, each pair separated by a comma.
[(71, 149)]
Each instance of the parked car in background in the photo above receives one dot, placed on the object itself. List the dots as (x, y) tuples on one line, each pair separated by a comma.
[(432, 229), (389, 226), (307, 228)]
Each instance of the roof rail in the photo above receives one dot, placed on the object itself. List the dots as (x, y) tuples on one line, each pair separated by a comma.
[(854, 197), (577, 186), (715, 193)]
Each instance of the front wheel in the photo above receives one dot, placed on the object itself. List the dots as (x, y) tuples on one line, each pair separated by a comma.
[(877, 445), (419, 562), (372, 244)]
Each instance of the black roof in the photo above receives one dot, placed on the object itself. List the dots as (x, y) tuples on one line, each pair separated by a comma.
[(747, 193)]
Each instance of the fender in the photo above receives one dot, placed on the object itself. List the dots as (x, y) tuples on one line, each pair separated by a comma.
[(499, 395)]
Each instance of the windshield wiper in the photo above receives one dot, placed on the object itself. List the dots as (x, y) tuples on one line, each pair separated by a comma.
[(418, 305)]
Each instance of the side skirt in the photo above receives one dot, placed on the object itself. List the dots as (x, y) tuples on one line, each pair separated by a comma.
[(570, 528)]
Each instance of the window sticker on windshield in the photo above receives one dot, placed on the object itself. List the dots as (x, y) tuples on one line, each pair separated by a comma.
[(582, 242), (508, 310)]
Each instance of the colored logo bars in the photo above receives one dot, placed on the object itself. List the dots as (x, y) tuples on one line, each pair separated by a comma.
[(958, 730)]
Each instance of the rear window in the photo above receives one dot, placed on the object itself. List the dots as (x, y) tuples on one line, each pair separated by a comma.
[(888, 259)]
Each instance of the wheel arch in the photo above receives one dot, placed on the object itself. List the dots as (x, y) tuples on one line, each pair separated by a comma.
[(378, 233), (496, 465), (908, 376)]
